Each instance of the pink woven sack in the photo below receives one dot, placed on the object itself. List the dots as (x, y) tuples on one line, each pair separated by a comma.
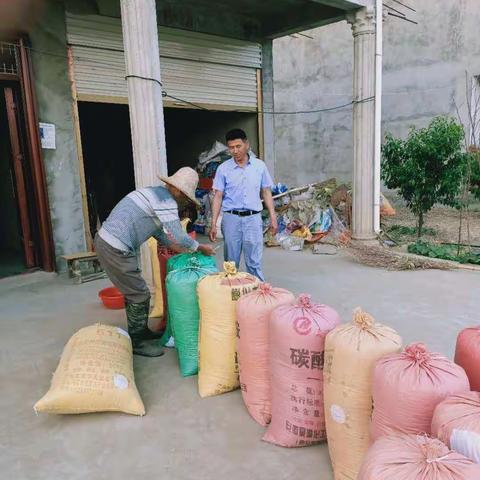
[(408, 386), (467, 354), (253, 317), (415, 457), (456, 422), (297, 340)]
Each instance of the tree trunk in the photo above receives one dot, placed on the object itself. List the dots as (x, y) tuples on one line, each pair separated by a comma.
[(420, 225)]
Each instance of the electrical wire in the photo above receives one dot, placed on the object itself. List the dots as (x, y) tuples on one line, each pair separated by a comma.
[(402, 17), (403, 5), (200, 107), (144, 78)]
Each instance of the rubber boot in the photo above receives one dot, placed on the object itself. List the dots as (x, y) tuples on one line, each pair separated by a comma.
[(137, 320), (147, 333)]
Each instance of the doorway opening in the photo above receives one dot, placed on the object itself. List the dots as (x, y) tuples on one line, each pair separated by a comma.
[(107, 156), (189, 132), (17, 227), (107, 147)]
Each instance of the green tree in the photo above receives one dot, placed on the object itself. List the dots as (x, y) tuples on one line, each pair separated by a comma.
[(426, 168)]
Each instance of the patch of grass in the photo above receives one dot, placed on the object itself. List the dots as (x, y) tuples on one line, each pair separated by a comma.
[(445, 252), (399, 232)]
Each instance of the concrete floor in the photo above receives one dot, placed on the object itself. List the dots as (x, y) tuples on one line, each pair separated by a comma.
[(183, 436)]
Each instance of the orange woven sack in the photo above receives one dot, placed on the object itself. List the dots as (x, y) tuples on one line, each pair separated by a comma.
[(297, 339), (351, 352), (467, 355), (253, 318), (456, 422), (407, 387), (415, 457)]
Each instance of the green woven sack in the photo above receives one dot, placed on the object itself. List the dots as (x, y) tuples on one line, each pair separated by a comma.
[(183, 311), (183, 260)]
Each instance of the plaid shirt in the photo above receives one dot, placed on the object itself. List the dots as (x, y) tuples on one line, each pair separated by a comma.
[(144, 213)]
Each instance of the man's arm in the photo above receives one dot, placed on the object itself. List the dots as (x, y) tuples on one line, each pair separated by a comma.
[(174, 238), (268, 199), (217, 205)]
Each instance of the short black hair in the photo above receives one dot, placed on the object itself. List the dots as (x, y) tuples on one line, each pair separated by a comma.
[(236, 134)]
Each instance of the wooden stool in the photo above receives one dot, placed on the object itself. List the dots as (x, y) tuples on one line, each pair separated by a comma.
[(91, 270)]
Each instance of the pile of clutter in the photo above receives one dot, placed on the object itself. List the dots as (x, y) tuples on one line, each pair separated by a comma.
[(303, 375), (208, 162), (309, 214), (319, 212)]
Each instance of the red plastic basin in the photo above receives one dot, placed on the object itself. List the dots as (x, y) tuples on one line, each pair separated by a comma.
[(112, 298)]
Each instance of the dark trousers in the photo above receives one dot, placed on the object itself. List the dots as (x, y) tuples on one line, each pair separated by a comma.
[(123, 270)]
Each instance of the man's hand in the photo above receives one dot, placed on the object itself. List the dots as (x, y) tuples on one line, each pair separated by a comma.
[(213, 234), (206, 250), (273, 226)]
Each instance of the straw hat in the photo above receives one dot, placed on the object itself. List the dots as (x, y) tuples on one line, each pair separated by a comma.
[(186, 180)]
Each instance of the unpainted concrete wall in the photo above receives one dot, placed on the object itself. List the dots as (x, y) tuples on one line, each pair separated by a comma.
[(49, 57), (424, 76)]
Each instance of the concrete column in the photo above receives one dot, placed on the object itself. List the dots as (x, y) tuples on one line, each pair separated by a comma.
[(268, 106), (363, 27), (142, 59)]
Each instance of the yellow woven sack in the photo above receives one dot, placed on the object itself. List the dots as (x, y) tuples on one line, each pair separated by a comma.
[(217, 297), (95, 374), (157, 310), (351, 352)]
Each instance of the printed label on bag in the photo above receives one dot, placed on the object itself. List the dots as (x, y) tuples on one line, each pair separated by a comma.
[(338, 414), (120, 381), (302, 325)]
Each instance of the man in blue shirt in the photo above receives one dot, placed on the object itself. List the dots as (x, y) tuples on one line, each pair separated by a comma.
[(238, 184)]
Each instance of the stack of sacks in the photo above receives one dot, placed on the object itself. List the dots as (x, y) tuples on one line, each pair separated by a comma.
[(95, 374), (351, 352), (253, 318), (183, 313), (408, 386), (217, 353), (297, 342), (467, 355), (415, 457), (456, 422)]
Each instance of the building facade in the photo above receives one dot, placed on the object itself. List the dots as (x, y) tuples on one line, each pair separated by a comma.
[(424, 75), (102, 131)]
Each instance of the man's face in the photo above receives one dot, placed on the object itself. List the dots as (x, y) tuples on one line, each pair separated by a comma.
[(180, 198), (238, 149)]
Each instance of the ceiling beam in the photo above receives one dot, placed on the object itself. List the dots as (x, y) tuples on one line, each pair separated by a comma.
[(345, 4), (310, 15)]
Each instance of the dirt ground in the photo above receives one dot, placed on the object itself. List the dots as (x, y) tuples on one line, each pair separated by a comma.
[(444, 220)]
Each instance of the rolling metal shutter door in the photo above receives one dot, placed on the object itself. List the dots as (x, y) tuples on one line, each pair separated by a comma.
[(214, 72)]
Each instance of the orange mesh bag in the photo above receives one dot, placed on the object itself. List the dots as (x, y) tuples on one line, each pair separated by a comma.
[(253, 318), (415, 457), (456, 422)]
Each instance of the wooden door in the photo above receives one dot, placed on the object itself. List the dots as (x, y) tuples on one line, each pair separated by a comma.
[(18, 160)]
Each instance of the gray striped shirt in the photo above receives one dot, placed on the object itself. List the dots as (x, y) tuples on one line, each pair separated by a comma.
[(144, 213)]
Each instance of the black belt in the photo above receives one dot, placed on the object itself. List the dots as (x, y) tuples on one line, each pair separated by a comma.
[(242, 213)]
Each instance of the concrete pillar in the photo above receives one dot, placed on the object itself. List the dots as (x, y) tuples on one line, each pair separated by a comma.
[(142, 59), (363, 28), (268, 106)]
